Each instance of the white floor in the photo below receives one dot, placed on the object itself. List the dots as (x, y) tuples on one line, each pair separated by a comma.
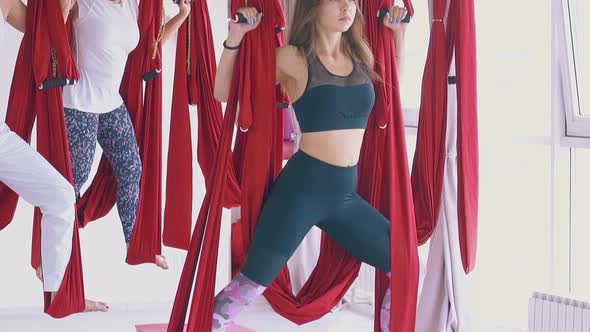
[(122, 318)]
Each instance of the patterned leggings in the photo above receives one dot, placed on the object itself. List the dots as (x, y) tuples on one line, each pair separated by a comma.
[(115, 134)]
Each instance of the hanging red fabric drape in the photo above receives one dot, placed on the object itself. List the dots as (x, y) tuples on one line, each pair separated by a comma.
[(430, 154), (258, 53), (427, 174), (45, 33), (384, 178), (193, 85), (468, 149), (100, 197)]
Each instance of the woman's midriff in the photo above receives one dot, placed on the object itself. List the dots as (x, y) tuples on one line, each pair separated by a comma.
[(337, 147)]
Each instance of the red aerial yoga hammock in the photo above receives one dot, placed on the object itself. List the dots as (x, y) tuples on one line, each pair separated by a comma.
[(144, 65), (45, 29), (193, 85), (384, 178), (46, 36), (146, 114), (429, 158), (468, 148), (258, 164), (256, 160)]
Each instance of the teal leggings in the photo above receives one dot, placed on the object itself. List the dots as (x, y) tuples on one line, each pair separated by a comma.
[(307, 193)]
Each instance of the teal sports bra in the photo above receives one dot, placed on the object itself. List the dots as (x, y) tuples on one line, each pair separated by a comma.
[(333, 102)]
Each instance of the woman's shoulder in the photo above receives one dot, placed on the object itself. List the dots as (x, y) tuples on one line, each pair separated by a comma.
[(289, 52), (290, 56)]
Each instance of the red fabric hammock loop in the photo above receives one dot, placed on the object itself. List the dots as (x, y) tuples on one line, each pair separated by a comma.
[(468, 150), (430, 155), (193, 85), (205, 239), (45, 32), (456, 40), (384, 178)]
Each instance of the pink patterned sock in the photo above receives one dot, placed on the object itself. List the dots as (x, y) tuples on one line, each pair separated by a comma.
[(386, 309), (240, 292)]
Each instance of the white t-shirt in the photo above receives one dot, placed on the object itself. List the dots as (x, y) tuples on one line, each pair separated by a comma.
[(104, 34)]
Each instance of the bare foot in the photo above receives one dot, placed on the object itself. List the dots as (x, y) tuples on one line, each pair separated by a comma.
[(93, 306), (161, 262), (90, 306), (39, 272)]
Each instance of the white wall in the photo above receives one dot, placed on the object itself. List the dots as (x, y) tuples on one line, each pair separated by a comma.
[(106, 275), (513, 93), (514, 109)]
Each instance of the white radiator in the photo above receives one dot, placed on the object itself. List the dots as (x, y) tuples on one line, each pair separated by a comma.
[(552, 313), (363, 289)]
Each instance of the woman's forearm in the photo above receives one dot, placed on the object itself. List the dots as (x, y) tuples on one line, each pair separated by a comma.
[(172, 26), (17, 15), (393, 20), (225, 69)]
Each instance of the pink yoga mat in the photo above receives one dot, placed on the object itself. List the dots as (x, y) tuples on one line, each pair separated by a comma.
[(162, 328)]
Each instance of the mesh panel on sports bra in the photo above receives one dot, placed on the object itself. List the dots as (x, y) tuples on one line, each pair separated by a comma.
[(333, 102), (319, 75)]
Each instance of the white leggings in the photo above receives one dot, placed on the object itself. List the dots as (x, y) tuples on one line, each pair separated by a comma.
[(28, 174)]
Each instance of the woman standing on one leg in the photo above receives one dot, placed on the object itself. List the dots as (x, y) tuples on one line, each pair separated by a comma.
[(33, 178), (105, 32), (327, 70)]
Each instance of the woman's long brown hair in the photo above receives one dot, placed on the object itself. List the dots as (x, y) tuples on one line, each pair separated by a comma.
[(354, 43)]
